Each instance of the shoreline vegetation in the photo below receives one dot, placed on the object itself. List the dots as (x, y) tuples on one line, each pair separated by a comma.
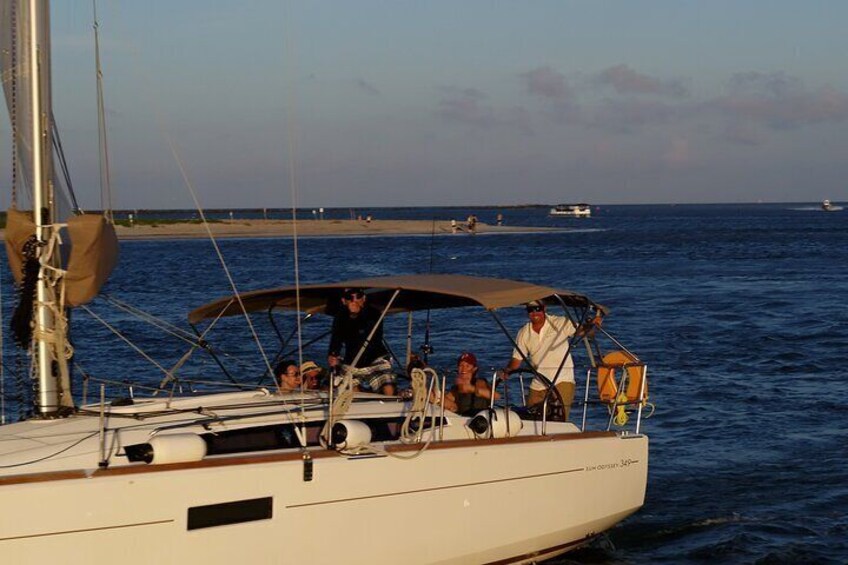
[(259, 228)]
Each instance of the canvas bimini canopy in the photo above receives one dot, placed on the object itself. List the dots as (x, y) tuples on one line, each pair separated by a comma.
[(410, 292)]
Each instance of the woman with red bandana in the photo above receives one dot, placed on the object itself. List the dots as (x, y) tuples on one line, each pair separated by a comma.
[(470, 393)]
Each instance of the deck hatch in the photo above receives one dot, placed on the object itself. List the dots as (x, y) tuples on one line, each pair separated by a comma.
[(227, 513)]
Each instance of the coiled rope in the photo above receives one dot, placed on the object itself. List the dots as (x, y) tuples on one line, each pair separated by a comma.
[(418, 405)]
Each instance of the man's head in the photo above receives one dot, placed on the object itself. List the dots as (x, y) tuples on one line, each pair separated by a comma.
[(536, 311), (288, 375), (309, 372), (354, 300)]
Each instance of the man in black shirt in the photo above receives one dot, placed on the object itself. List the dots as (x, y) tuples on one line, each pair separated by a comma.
[(352, 327)]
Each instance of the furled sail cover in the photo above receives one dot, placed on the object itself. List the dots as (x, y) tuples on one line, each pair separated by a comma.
[(94, 253), (19, 228)]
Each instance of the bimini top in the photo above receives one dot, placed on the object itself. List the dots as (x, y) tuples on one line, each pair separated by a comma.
[(417, 292)]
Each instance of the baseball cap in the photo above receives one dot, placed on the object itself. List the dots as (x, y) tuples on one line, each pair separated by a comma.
[(467, 358)]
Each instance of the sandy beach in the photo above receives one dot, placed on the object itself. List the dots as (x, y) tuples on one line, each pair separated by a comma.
[(307, 228)]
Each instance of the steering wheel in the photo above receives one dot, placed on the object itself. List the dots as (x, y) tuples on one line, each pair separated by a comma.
[(555, 405)]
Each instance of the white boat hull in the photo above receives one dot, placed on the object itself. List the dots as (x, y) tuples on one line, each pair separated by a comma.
[(480, 501), (572, 212)]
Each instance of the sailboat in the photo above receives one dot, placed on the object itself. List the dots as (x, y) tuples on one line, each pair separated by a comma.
[(310, 476)]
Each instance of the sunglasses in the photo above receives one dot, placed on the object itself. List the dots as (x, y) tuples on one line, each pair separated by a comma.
[(535, 309), (354, 295)]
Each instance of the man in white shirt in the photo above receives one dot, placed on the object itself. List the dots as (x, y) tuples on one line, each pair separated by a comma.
[(544, 341)]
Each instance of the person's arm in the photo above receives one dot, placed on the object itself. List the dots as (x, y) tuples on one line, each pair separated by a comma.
[(485, 391), (449, 401), (568, 327), (513, 364), (516, 360), (587, 329)]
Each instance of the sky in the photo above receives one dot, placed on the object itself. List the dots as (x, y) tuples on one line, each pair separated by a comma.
[(426, 103)]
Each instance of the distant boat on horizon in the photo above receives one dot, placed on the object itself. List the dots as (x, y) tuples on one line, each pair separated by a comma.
[(828, 206), (581, 210)]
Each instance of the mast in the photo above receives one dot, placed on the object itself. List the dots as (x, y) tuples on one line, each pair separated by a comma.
[(42, 203)]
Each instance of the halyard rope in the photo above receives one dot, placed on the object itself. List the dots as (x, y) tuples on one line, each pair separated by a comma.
[(126, 340), (232, 282)]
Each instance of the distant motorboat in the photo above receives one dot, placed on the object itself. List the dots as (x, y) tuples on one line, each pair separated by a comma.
[(572, 210), (828, 206)]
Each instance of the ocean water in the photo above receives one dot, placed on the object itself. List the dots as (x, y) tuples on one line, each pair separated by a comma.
[(739, 311)]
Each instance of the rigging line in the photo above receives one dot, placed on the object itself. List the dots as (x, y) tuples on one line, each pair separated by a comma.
[(13, 103), (161, 122), (205, 222), (63, 164), (291, 114), (105, 173), (195, 341), (125, 339), (201, 343), (432, 244), (160, 323), (426, 349), (46, 457)]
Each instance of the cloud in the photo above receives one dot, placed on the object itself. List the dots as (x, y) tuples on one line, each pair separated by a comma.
[(625, 115), (625, 80), (754, 105), (367, 87), (776, 85), (467, 106), (547, 83), (744, 133), (464, 105), (779, 101)]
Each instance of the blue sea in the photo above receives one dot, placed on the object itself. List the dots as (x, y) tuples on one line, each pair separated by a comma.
[(738, 310)]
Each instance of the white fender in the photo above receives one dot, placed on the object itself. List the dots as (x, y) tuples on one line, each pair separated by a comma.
[(348, 434), (493, 423), (176, 448)]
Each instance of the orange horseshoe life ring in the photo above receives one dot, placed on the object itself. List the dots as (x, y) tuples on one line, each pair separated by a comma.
[(607, 385)]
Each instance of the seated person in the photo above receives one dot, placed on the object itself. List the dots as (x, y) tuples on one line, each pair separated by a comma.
[(353, 325), (470, 393), (288, 376), (314, 377)]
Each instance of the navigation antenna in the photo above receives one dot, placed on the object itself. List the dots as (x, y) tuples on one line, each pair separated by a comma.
[(426, 348)]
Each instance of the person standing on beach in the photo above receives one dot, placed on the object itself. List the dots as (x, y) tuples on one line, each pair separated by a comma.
[(352, 326), (544, 340)]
